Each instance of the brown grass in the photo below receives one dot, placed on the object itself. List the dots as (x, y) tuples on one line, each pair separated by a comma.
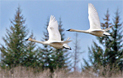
[(23, 72)]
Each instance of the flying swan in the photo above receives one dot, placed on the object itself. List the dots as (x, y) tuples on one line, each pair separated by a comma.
[(95, 27), (54, 36)]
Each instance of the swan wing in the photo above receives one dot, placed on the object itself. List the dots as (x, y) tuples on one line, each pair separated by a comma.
[(54, 34), (93, 17)]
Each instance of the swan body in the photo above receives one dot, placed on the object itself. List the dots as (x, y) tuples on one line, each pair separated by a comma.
[(98, 32), (55, 44), (95, 27), (54, 36)]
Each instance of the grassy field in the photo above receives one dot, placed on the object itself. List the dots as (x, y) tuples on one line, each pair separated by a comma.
[(22, 72)]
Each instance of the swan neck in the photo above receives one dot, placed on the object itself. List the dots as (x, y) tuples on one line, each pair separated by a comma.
[(37, 41), (84, 31)]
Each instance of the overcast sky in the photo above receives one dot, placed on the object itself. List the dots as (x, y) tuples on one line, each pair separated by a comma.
[(73, 13)]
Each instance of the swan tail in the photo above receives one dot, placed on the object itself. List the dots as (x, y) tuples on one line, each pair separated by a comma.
[(67, 41), (108, 28)]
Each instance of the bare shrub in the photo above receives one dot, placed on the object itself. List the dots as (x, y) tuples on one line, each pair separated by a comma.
[(60, 73), (24, 72), (44, 74), (89, 73), (107, 71)]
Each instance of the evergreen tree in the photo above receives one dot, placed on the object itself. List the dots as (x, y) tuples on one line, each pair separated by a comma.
[(53, 58), (46, 52), (97, 55), (59, 53), (14, 49), (110, 53), (116, 51), (31, 57), (96, 58)]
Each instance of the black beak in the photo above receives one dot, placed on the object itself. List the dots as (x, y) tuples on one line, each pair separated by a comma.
[(26, 39), (68, 30)]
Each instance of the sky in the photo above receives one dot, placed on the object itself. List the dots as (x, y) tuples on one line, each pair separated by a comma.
[(73, 14)]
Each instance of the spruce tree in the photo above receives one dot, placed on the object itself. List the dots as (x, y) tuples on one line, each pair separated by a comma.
[(110, 51), (97, 55), (30, 58), (14, 49), (116, 52), (60, 54), (53, 58), (46, 51), (105, 40)]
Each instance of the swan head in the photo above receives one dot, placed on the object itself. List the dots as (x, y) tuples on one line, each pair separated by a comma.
[(69, 30), (72, 30), (28, 39)]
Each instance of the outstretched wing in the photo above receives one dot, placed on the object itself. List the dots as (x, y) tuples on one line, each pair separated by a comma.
[(93, 17), (54, 34)]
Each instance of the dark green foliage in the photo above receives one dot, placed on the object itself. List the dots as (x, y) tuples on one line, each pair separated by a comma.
[(61, 55), (61, 30), (117, 42), (31, 58), (14, 50), (46, 51), (53, 58), (110, 50)]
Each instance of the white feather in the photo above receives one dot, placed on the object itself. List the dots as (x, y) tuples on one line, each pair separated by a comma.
[(54, 34), (93, 17), (95, 28)]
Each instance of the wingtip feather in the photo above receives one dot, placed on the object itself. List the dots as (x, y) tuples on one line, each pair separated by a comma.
[(52, 17), (90, 4)]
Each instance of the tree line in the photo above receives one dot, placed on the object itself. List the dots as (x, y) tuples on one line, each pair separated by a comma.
[(17, 51), (108, 53)]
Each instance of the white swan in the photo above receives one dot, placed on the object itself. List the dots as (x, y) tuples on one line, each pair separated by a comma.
[(95, 27), (54, 36)]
